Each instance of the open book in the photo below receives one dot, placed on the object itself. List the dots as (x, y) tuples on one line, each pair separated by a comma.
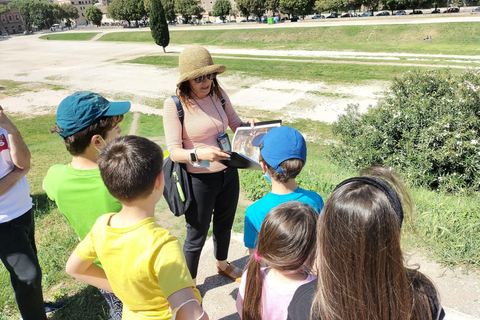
[(244, 155)]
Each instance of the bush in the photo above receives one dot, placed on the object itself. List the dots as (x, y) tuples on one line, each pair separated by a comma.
[(427, 128)]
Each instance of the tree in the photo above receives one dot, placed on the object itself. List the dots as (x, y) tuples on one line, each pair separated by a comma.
[(197, 12), (330, 5), (258, 7), (273, 5), (94, 15), (68, 12), (243, 6), (297, 7), (158, 24), (184, 8), (355, 4), (168, 8), (371, 4), (116, 10), (221, 9), (135, 10), (390, 4), (27, 9), (44, 15)]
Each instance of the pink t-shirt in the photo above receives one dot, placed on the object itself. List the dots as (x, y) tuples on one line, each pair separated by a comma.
[(200, 127), (275, 296)]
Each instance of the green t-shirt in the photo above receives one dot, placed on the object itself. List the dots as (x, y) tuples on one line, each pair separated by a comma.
[(80, 196)]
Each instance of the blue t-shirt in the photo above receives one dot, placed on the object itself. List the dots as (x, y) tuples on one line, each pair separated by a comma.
[(258, 211)]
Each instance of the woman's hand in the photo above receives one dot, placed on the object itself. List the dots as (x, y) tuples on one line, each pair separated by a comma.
[(212, 154)]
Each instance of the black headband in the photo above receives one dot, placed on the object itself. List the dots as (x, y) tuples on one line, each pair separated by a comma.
[(385, 188)]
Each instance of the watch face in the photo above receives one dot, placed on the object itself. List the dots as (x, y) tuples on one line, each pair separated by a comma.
[(193, 157)]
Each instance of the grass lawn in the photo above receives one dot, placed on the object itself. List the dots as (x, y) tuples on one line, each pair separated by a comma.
[(448, 38), (350, 73), (83, 36)]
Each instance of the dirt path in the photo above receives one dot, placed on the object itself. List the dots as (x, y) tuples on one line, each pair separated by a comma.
[(92, 65)]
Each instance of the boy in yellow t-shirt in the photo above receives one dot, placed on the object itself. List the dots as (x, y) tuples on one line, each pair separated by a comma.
[(143, 264)]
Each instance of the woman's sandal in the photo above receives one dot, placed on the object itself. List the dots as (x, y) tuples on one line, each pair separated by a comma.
[(231, 271)]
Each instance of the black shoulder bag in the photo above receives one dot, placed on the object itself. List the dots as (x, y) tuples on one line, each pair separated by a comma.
[(178, 186)]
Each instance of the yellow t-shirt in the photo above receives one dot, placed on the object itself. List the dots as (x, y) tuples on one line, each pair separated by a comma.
[(143, 263)]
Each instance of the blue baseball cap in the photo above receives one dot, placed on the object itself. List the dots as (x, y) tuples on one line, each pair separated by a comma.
[(280, 144), (83, 108)]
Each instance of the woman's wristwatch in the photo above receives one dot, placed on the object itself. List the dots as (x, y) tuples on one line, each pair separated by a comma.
[(193, 155)]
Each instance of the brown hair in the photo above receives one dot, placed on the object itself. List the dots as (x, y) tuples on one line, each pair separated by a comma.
[(291, 169), (78, 142), (184, 92), (129, 167), (361, 272), (285, 242)]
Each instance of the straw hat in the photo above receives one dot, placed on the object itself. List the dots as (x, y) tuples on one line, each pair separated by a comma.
[(195, 61)]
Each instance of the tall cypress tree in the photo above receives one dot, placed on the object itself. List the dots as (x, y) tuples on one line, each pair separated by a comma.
[(158, 24)]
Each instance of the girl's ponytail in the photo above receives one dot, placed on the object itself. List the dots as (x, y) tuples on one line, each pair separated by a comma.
[(252, 302)]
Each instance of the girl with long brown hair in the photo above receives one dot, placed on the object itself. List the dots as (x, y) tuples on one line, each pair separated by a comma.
[(285, 244), (361, 270)]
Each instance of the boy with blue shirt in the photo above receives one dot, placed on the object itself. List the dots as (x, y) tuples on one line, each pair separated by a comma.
[(283, 153)]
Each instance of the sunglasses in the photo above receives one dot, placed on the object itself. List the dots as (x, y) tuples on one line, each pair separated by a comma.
[(210, 76)]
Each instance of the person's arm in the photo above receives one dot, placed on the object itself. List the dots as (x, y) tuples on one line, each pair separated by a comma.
[(11, 179), (173, 136), (209, 154), (88, 272), (187, 304), (18, 149)]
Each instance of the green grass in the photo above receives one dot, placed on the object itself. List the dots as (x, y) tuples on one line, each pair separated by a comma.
[(448, 38), (84, 36), (301, 71), (15, 88)]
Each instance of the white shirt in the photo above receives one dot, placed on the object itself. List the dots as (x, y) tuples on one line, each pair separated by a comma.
[(17, 200)]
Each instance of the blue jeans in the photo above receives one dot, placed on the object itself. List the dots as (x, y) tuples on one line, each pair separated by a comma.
[(19, 255)]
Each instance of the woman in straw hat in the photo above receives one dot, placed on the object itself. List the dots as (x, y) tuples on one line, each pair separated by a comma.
[(215, 186)]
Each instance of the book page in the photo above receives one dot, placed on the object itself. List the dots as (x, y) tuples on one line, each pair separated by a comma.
[(242, 140)]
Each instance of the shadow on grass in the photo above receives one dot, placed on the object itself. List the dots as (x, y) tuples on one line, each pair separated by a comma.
[(85, 304), (42, 205)]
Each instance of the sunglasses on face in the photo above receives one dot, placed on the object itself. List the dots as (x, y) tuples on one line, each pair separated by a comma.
[(210, 76)]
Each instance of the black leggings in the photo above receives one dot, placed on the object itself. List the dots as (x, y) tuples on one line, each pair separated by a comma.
[(19, 255), (214, 194)]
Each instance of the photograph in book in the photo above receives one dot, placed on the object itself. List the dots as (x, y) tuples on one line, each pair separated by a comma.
[(244, 155)]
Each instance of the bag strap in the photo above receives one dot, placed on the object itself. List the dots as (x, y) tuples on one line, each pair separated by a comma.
[(223, 103), (180, 112)]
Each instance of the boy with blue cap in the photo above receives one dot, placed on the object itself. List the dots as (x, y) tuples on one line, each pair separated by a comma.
[(283, 153), (86, 121)]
